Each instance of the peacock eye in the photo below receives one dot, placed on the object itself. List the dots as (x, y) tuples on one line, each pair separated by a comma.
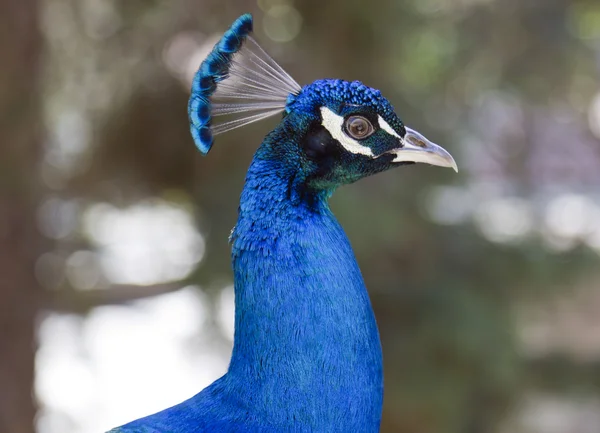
[(358, 127)]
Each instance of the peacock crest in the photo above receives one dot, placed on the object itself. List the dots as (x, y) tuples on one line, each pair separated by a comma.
[(237, 84)]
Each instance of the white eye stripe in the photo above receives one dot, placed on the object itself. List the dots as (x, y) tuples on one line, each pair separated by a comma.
[(387, 128), (333, 123)]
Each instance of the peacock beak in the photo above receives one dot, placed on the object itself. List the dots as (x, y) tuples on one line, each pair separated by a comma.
[(417, 148)]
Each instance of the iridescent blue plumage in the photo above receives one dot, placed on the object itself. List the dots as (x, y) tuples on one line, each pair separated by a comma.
[(306, 355), (328, 91)]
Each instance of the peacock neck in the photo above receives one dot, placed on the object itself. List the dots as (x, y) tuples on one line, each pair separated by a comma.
[(305, 333)]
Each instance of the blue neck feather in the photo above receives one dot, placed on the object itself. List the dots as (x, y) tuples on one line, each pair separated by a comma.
[(306, 356), (306, 342)]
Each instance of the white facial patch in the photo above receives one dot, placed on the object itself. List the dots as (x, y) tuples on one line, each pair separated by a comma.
[(334, 124), (387, 128)]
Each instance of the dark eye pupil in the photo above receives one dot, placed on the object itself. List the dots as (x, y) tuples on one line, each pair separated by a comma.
[(358, 127)]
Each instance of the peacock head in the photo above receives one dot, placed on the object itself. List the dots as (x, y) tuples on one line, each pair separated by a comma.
[(349, 130), (333, 132)]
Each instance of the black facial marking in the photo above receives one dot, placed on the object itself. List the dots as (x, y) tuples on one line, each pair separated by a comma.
[(318, 142)]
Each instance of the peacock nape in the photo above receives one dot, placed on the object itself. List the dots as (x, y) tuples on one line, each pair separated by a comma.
[(306, 354)]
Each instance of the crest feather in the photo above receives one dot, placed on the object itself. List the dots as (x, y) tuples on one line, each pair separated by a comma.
[(238, 83)]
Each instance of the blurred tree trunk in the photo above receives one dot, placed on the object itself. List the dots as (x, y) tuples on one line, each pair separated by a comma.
[(20, 241)]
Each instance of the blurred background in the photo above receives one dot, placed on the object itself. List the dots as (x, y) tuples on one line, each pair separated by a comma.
[(115, 283)]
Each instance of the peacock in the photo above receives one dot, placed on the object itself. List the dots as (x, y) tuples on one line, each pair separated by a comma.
[(306, 354)]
